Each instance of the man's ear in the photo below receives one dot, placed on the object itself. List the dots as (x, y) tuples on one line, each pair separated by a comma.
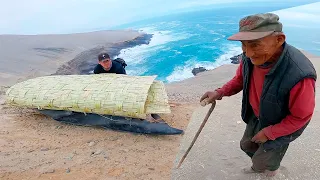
[(281, 39)]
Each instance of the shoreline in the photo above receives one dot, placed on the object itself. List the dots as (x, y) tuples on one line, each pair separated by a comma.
[(66, 58), (87, 60), (194, 87)]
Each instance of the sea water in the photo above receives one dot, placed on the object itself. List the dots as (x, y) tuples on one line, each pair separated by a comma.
[(185, 41)]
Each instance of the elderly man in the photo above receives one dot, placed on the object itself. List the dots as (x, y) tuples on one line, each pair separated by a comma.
[(278, 84)]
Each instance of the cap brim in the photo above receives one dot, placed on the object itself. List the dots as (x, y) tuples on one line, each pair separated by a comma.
[(243, 36), (104, 59)]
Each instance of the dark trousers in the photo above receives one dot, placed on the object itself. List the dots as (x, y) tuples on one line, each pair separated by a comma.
[(262, 159)]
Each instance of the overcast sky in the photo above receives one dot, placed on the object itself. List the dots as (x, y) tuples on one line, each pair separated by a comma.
[(64, 16), (306, 15)]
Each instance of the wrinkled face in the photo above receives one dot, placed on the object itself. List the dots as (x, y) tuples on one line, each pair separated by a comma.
[(106, 64), (261, 50)]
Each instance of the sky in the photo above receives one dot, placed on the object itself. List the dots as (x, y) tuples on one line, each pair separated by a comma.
[(302, 16), (67, 16), (302, 26)]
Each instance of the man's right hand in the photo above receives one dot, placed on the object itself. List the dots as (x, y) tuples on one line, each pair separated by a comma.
[(211, 96)]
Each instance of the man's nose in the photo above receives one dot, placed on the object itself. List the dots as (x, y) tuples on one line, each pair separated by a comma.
[(249, 52)]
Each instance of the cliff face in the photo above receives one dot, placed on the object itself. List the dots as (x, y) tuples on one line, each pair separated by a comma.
[(27, 56), (84, 62)]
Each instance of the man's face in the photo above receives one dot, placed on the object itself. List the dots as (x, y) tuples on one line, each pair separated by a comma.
[(106, 64), (261, 50)]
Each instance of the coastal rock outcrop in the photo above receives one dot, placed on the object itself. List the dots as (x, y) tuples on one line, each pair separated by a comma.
[(236, 59), (197, 70)]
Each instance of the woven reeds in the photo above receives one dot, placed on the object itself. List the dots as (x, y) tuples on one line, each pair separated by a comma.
[(111, 94)]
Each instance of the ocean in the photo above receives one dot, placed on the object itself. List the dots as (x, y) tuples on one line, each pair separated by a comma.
[(184, 41)]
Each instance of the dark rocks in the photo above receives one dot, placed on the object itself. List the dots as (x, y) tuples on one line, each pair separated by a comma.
[(236, 59), (195, 71)]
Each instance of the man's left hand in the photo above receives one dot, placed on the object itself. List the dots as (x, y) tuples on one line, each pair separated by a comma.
[(260, 137)]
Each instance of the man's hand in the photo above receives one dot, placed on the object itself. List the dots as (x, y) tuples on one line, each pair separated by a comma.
[(211, 96), (260, 137)]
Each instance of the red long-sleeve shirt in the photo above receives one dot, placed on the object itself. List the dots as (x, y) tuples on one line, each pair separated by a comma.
[(301, 100)]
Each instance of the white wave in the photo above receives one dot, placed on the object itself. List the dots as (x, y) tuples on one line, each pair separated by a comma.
[(185, 71), (141, 53), (220, 22), (215, 33), (177, 52), (171, 24), (215, 39), (200, 27), (187, 45), (209, 47), (166, 49), (136, 71)]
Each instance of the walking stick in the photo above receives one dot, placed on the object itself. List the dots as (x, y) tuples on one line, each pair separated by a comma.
[(203, 103)]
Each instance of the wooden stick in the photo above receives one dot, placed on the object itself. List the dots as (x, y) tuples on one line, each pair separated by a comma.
[(203, 103)]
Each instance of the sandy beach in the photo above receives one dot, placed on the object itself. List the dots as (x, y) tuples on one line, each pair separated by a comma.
[(33, 146)]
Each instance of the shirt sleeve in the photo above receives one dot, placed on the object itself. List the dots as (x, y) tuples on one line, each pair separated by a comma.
[(301, 107), (235, 85), (123, 71), (97, 69), (119, 68)]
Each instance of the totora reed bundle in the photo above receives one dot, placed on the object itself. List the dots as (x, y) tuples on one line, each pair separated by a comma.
[(111, 94)]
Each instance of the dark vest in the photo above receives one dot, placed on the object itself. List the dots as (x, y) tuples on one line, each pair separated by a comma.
[(291, 67)]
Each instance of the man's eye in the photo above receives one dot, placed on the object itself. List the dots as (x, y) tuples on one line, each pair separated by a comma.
[(254, 45)]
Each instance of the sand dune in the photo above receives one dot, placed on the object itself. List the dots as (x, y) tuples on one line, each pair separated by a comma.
[(24, 56)]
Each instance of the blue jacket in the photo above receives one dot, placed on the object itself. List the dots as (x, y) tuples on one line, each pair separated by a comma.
[(116, 67)]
